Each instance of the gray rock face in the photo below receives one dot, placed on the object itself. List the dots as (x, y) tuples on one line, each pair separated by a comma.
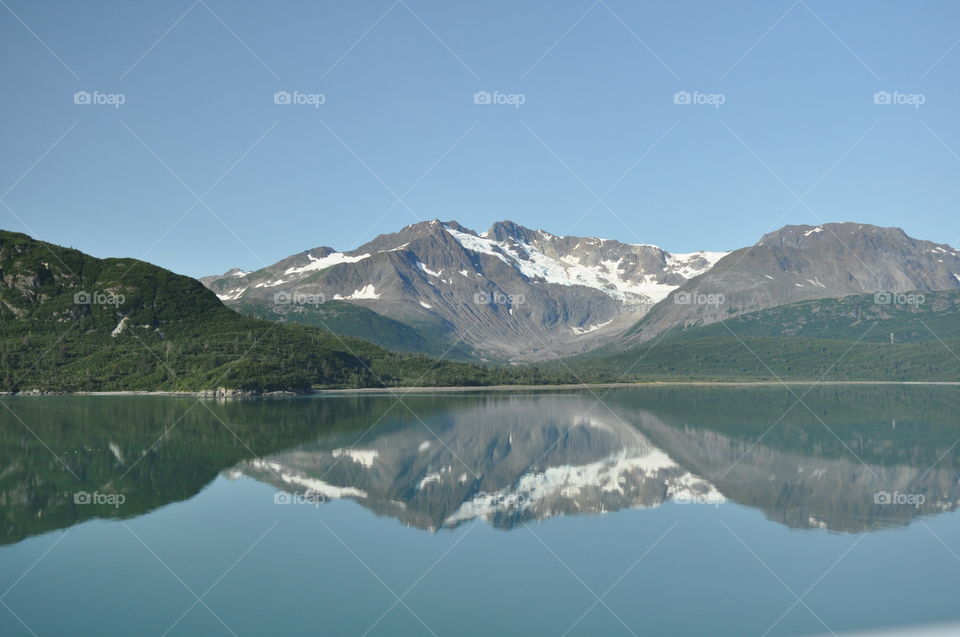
[(510, 293), (798, 263)]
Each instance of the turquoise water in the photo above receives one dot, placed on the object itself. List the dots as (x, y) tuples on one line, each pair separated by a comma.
[(683, 511)]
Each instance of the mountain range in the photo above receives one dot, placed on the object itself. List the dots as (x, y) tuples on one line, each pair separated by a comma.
[(507, 294), (512, 294), (439, 304)]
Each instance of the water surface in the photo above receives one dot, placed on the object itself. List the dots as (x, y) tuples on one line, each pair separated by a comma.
[(654, 511)]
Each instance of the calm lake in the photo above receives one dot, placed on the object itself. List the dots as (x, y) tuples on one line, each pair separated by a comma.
[(627, 511)]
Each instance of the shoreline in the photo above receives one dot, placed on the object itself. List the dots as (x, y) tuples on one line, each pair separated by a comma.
[(652, 383), (479, 388)]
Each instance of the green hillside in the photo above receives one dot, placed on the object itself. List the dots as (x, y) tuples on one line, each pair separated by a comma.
[(71, 322), (360, 322), (849, 338), (928, 316), (754, 358)]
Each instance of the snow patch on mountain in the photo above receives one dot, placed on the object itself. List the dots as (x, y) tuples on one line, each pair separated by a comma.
[(681, 263), (427, 270), (478, 244), (325, 262), (363, 457), (270, 284), (119, 328), (590, 328), (366, 292), (231, 295), (571, 270)]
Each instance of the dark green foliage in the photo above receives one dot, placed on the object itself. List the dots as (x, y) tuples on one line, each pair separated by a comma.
[(176, 335), (771, 359), (933, 315)]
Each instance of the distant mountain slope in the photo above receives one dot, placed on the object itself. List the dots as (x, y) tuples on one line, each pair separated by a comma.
[(798, 263), (753, 358), (349, 319), (509, 293), (69, 321), (913, 317)]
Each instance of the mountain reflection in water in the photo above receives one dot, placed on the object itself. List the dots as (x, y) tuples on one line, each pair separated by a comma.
[(844, 458), (523, 458)]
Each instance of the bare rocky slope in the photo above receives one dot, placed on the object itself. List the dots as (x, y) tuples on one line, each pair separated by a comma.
[(800, 263), (509, 293)]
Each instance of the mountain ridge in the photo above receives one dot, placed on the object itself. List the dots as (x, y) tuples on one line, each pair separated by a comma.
[(510, 293), (514, 294)]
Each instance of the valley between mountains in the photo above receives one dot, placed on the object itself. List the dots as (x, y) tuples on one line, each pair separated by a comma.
[(439, 304)]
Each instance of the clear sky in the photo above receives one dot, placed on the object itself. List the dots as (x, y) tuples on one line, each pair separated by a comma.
[(199, 170)]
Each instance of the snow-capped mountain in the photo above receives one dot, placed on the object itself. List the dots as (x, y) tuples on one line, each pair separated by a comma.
[(512, 293), (508, 293)]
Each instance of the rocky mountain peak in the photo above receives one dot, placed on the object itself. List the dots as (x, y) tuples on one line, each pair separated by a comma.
[(802, 235), (801, 263), (509, 231)]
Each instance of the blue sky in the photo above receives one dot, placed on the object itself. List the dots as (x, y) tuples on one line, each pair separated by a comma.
[(198, 170)]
